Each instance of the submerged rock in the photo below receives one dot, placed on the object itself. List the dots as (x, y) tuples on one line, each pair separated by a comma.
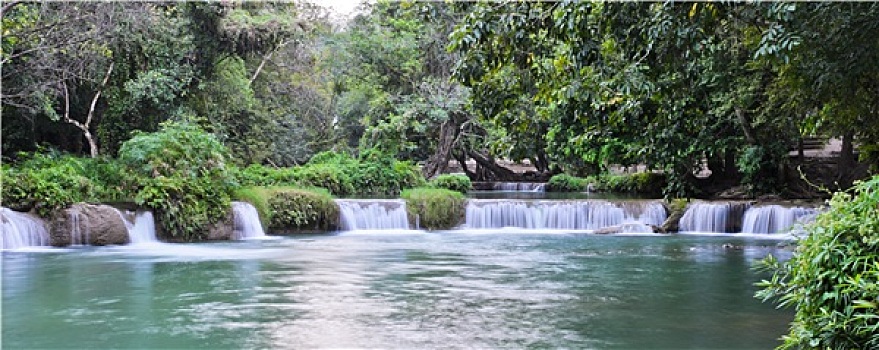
[(88, 224)]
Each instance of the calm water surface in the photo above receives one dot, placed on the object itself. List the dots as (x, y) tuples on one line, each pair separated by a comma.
[(460, 289)]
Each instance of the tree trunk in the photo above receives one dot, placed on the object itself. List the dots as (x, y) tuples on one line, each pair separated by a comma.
[(93, 144), (801, 152), (846, 161), (746, 126), (439, 161), (542, 164), (86, 126), (462, 160), (500, 173)]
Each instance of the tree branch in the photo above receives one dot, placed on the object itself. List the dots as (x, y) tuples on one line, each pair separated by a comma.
[(88, 119), (265, 59)]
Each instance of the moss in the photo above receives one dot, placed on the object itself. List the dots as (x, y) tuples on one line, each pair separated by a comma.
[(435, 208)]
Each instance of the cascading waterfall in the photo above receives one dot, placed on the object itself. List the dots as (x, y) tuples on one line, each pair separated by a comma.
[(79, 234), (143, 230), (571, 215), (520, 186), (713, 217), (373, 214), (247, 223), (774, 218), (21, 230)]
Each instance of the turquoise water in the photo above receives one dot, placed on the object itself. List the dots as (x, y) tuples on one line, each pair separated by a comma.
[(506, 289)]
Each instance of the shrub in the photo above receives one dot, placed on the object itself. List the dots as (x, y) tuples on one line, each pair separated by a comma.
[(326, 176), (565, 183), (454, 182), (259, 175), (832, 280), (182, 175), (285, 209), (373, 174), (51, 181), (292, 208), (434, 208)]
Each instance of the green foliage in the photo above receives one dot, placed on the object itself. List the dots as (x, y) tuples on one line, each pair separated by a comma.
[(650, 184), (756, 168), (50, 181), (641, 183), (328, 176), (259, 198), (832, 280), (566, 183), (298, 209), (374, 173), (181, 174), (285, 209), (434, 208), (677, 205), (454, 182), (260, 175)]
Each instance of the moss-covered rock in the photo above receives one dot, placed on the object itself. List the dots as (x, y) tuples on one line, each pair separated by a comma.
[(435, 208), (292, 210)]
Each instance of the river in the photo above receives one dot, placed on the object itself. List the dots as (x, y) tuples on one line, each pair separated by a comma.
[(504, 288)]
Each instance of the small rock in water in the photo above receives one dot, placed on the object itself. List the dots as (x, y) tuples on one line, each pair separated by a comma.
[(731, 246)]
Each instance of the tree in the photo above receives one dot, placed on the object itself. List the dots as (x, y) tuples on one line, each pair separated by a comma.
[(829, 52), (58, 59)]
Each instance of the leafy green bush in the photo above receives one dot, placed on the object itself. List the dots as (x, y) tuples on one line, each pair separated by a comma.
[(642, 183), (454, 182), (435, 208), (832, 280), (285, 209), (327, 176), (565, 183), (302, 209), (373, 174), (182, 175), (259, 175), (50, 181)]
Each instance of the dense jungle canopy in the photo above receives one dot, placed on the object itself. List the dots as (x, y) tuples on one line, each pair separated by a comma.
[(574, 87)]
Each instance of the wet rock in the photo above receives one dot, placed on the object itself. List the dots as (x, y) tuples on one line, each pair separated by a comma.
[(89, 224), (610, 230), (672, 223), (223, 230), (738, 192)]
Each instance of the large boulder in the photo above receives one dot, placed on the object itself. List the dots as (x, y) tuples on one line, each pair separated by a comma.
[(90, 224)]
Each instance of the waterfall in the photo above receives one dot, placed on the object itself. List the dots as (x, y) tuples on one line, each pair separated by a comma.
[(520, 186), (247, 223), (572, 215), (773, 218), (21, 230), (143, 230), (369, 214), (713, 217), (78, 235)]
